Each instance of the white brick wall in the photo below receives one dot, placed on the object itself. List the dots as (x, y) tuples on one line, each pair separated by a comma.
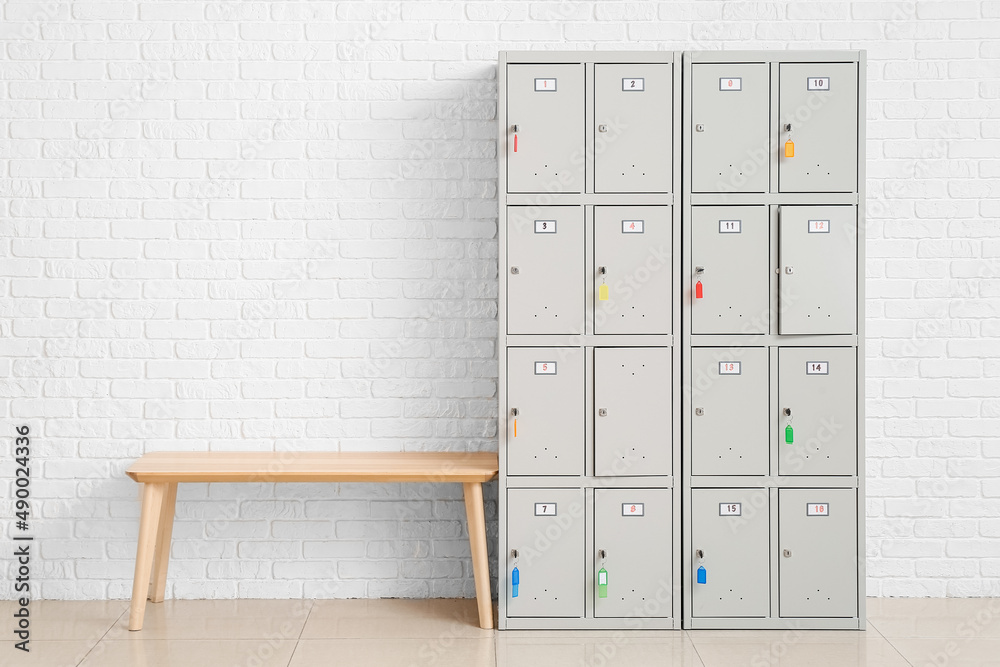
[(257, 225)]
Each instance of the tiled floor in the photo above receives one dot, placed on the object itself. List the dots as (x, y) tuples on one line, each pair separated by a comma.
[(444, 633)]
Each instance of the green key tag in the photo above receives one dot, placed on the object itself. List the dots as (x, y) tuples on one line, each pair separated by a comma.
[(602, 583), (788, 434)]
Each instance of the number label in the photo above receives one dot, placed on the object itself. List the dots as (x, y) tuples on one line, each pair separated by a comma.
[(730, 226), (545, 509), (730, 368), (545, 368), (633, 509), (633, 226), (819, 226), (634, 84), (731, 83), (730, 509), (545, 85), (818, 83), (545, 226), (818, 509), (817, 368)]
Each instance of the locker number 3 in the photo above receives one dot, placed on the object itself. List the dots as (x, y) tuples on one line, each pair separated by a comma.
[(818, 509)]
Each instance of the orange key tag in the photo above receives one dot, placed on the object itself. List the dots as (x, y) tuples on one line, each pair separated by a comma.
[(789, 148)]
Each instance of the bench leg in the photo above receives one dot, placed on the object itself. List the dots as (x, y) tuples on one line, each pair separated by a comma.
[(477, 541), (152, 501), (161, 557)]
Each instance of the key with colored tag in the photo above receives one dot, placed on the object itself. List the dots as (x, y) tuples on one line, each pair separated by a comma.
[(602, 583), (702, 575), (789, 148), (602, 292), (788, 435), (515, 581)]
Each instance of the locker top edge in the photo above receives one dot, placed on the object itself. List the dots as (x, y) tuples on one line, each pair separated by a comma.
[(546, 57), (839, 55)]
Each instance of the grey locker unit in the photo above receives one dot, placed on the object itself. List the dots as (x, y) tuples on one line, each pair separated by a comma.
[(729, 252), (820, 102), (632, 527), (632, 254), (818, 386), (632, 104), (545, 284), (545, 391), (797, 281), (818, 568), (545, 110), (546, 529), (731, 540), (819, 270), (729, 420), (730, 105), (632, 431), (600, 157)]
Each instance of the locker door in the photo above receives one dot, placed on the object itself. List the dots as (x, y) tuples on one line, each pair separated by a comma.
[(632, 244), (546, 104), (730, 104), (633, 107), (818, 261), (820, 102), (633, 528), (546, 527), (729, 431), (545, 388), (818, 559), (731, 529), (545, 279), (633, 426), (819, 386), (731, 246)]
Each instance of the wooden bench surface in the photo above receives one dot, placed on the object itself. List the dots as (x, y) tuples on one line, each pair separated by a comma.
[(165, 467)]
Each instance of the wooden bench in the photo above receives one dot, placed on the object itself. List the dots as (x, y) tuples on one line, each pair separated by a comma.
[(161, 472)]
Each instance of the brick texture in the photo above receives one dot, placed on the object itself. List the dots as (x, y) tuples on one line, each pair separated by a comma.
[(271, 225)]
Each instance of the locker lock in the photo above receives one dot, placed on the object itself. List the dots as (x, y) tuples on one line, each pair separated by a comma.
[(788, 127), (789, 270), (787, 553), (602, 412), (603, 270), (699, 553), (699, 270), (699, 127), (515, 128), (513, 412), (602, 553), (513, 554), (699, 412), (602, 128), (787, 412), (514, 270)]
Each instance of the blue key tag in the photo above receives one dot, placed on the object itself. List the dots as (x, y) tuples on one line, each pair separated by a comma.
[(602, 583), (515, 580), (702, 575)]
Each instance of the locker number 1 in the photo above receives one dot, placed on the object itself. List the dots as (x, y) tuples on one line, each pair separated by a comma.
[(545, 509), (730, 509), (545, 85), (818, 509)]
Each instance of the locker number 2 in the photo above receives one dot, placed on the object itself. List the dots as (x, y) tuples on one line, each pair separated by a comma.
[(634, 84), (633, 509), (818, 83), (818, 509), (545, 368), (817, 368), (730, 509), (731, 83), (730, 367), (545, 509)]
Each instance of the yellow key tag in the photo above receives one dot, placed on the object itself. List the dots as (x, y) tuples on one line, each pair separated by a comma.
[(789, 149), (602, 292)]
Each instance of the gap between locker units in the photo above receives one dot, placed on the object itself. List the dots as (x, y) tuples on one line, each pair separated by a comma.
[(592, 535)]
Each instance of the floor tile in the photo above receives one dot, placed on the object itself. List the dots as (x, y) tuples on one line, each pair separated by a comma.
[(218, 619), (333, 619), (69, 619), (192, 653), (611, 648), (445, 651), (795, 648), (46, 653), (927, 617), (950, 651)]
